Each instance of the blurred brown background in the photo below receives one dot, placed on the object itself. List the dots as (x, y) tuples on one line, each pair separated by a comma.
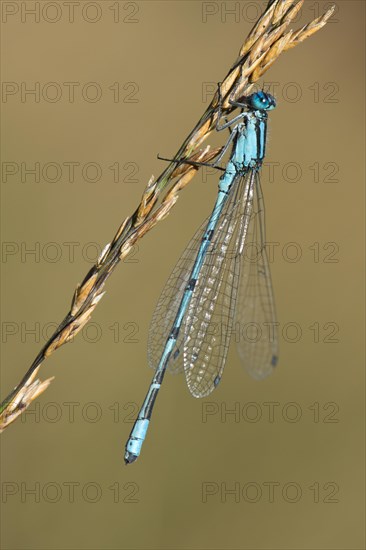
[(122, 82)]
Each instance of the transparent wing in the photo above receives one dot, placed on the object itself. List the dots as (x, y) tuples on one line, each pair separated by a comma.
[(209, 318), (169, 302), (255, 319), (167, 307)]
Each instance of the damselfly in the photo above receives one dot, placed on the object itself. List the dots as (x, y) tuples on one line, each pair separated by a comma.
[(216, 279)]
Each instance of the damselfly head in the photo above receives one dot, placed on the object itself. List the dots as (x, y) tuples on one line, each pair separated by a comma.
[(261, 101)]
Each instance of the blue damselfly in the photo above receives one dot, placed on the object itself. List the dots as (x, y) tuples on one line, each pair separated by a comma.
[(215, 281)]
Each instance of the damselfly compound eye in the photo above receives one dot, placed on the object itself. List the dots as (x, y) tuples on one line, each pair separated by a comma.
[(262, 101)]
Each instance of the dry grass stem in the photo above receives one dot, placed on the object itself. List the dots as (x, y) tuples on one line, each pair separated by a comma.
[(267, 40)]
